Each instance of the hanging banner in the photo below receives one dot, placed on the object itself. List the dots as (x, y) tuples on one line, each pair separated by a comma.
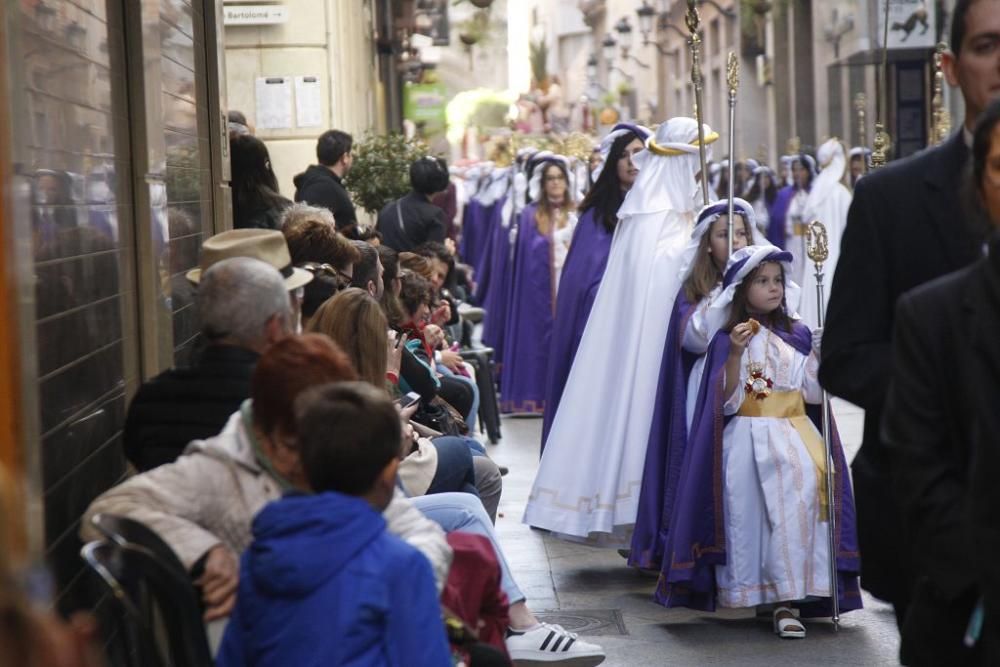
[(912, 24), (424, 104)]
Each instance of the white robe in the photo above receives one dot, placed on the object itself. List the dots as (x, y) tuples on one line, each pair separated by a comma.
[(830, 208), (776, 545), (590, 475)]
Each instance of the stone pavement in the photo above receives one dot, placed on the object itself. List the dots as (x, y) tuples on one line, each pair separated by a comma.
[(591, 590)]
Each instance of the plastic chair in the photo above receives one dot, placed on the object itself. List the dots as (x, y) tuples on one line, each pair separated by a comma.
[(150, 593)]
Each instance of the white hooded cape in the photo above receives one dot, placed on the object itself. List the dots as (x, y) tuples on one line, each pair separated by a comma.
[(828, 202), (588, 481)]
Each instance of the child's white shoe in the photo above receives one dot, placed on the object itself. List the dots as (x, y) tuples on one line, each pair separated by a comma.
[(788, 627)]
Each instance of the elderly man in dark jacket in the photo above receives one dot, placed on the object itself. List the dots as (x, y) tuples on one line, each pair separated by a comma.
[(243, 305)]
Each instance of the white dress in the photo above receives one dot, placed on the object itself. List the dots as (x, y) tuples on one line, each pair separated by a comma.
[(590, 474), (794, 243), (561, 238), (697, 336), (776, 545)]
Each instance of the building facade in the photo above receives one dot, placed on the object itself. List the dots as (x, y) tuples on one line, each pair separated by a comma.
[(114, 163)]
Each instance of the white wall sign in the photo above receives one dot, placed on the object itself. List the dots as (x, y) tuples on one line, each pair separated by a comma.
[(911, 24), (274, 102), (255, 14), (308, 102)]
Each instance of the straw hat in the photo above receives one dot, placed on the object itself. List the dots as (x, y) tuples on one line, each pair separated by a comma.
[(267, 245)]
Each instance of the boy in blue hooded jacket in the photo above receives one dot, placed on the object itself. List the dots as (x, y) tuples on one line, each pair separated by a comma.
[(324, 583)]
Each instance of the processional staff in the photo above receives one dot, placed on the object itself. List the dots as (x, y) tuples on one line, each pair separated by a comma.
[(818, 251), (941, 124), (693, 21), (880, 144), (733, 78)]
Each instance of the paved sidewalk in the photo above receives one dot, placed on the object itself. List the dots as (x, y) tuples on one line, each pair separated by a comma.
[(615, 603)]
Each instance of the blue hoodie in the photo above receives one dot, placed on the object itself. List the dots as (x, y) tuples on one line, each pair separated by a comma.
[(324, 584)]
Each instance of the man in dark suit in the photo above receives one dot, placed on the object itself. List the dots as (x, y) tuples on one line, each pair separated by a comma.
[(933, 423), (906, 226)]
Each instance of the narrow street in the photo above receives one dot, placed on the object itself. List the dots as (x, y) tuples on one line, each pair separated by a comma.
[(590, 591)]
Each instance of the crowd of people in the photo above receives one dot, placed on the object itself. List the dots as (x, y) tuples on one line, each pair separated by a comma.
[(318, 468)]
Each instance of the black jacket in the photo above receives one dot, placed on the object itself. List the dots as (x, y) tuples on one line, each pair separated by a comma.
[(265, 217), (985, 495), (185, 404), (318, 186), (422, 221), (905, 227), (943, 332)]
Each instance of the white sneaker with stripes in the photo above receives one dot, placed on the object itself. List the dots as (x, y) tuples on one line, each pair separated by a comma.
[(549, 644)]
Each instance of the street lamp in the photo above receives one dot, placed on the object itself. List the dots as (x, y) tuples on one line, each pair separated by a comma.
[(646, 14), (624, 31), (608, 45)]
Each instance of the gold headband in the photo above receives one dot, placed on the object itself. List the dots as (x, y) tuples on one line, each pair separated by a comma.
[(664, 151)]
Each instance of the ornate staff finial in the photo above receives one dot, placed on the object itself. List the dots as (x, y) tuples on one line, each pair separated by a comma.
[(941, 123), (860, 106), (693, 21), (733, 79), (817, 246), (882, 141)]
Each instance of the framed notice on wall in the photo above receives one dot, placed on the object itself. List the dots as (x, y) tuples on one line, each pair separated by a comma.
[(274, 102), (308, 102)]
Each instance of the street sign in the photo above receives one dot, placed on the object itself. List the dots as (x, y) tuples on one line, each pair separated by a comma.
[(255, 14)]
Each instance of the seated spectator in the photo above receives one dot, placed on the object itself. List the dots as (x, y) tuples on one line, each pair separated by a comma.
[(412, 219), (370, 598), (202, 505), (368, 271), (243, 305), (316, 246), (425, 342), (391, 285), (356, 323), (371, 236), (257, 201)]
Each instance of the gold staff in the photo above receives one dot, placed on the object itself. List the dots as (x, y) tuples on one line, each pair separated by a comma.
[(941, 124), (880, 145), (818, 251), (860, 101), (733, 79), (693, 21)]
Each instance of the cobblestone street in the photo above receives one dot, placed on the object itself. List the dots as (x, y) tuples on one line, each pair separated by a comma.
[(591, 590)]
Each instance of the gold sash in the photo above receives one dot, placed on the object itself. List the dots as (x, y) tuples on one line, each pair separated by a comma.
[(791, 406), (800, 229)]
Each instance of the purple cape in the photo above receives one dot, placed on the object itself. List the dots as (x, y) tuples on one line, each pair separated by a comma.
[(483, 269), (581, 277), (474, 221), (529, 320), (777, 214), (666, 445), (696, 542), (496, 296)]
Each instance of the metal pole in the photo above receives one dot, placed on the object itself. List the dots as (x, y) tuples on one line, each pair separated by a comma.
[(880, 143), (733, 78), (693, 21), (818, 251)]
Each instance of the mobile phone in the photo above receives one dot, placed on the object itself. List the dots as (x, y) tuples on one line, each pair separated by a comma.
[(408, 400)]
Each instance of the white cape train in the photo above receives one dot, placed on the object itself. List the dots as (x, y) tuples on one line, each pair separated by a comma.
[(589, 478)]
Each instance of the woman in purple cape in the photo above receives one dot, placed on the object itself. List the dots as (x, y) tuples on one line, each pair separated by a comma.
[(688, 337), (544, 230), (588, 255), (750, 522)]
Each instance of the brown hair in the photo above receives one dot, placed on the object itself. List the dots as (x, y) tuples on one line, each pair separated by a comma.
[(739, 311), (705, 275), (312, 240), (288, 368), (415, 290), (422, 266), (545, 213), (356, 323)]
